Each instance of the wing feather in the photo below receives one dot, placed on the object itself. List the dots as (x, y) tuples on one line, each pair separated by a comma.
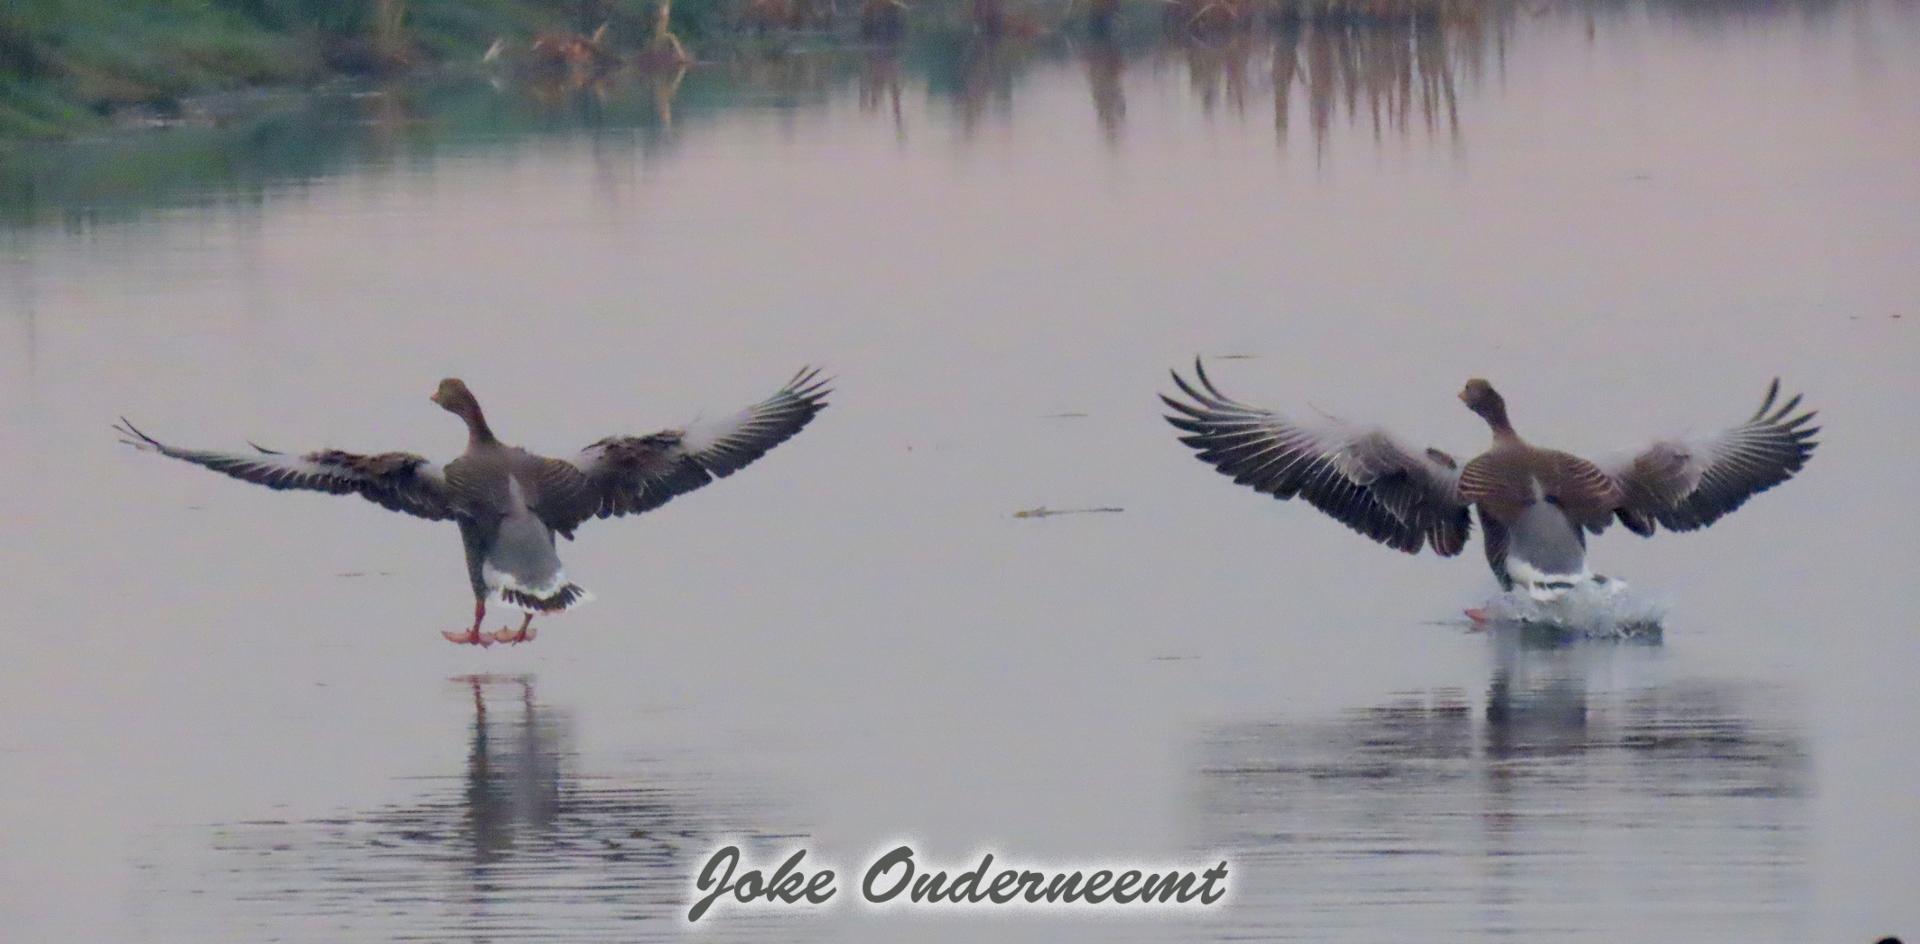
[(1363, 478), (1686, 484), (627, 475), (399, 481)]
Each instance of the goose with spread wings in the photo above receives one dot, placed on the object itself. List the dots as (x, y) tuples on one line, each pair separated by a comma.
[(510, 503), (1535, 505)]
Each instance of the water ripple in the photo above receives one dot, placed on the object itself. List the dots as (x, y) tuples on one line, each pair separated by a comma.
[(1682, 807), (501, 851)]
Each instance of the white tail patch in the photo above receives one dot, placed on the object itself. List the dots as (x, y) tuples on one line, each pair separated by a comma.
[(553, 596), (565, 598), (1543, 586)]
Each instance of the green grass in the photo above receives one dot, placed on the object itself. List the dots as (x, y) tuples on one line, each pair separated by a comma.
[(66, 65)]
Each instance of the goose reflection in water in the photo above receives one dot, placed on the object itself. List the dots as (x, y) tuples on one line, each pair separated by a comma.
[(513, 771), (518, 838), (1583, 799)]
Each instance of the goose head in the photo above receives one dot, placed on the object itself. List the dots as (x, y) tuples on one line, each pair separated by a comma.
[(453, 396), (1484, 401)]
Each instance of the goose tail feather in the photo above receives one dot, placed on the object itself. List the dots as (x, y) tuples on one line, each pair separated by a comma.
[(568, 596)]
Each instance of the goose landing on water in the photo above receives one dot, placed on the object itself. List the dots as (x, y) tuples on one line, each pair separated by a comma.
[(509, 503), (1536, 505)]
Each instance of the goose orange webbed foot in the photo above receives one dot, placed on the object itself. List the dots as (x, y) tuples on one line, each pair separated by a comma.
[(514, 637), (472, 637), (525, 633)]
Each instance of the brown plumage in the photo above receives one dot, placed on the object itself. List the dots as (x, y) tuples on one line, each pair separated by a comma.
[(1514, 473), (510, 503), (1535, 504)]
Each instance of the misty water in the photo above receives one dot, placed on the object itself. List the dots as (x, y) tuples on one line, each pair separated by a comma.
[(230, 714)]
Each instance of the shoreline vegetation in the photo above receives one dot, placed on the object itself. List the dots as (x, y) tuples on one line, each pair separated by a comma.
[(236, 141), (238, 148), (69, 67)]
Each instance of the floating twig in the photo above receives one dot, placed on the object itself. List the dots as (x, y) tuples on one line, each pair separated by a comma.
[(1045, 512)]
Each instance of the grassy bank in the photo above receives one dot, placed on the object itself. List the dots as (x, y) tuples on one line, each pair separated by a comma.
[(68, 65)]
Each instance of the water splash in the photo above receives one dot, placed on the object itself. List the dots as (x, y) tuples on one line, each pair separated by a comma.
[(1601, 608)]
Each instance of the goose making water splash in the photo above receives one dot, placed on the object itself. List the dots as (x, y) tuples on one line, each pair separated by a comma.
[(1536, 505)]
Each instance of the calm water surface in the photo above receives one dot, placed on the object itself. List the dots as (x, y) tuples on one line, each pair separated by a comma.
[(230, 715)]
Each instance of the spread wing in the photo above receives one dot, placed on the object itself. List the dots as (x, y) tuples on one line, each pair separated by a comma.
[(1686, 484), (627, 475), (1397, 496), (400, 481)]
